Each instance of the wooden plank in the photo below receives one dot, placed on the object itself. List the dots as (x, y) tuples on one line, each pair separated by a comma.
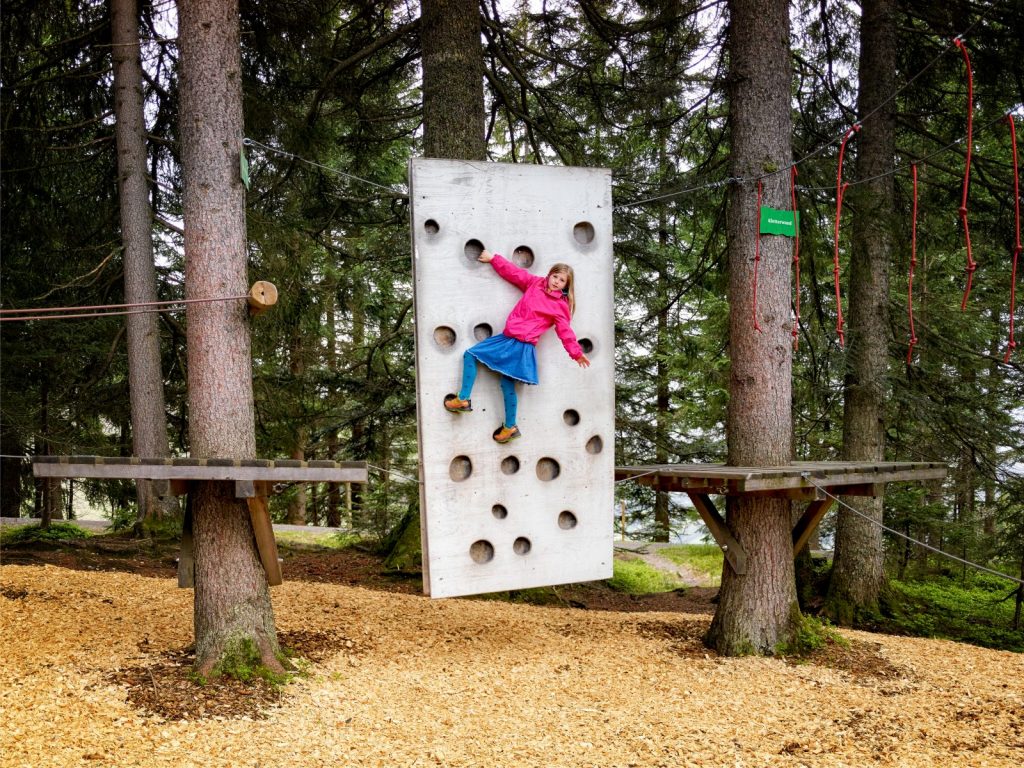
[(178, 487), (278, 474), (262, 527), (731, 548), (810, 519)]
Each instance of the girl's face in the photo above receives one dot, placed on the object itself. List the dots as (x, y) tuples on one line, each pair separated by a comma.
[(557, 281)]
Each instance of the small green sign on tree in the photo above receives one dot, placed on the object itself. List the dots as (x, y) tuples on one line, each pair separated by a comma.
[(777, 222)]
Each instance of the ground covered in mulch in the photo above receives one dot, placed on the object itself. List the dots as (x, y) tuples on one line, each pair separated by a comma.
[(97, 656)]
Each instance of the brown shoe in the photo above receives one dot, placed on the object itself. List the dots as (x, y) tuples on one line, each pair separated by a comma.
[(454, 405), (505, 434)]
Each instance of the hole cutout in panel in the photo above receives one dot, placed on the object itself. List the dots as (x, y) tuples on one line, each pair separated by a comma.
[(431, 227), (521, 545), (481, 551), (567, 520), (522, 256), (460, 468), (499, 511), (586, 345), (473, 250), (548, 468), (595, 444), (510, 465), (571, 417), (583, 233), (482, 331), (444, 337)]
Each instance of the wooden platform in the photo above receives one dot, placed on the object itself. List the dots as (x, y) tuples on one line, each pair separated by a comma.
[(816, 482), (254, 481)]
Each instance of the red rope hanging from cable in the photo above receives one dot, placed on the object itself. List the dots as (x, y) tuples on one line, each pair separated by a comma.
[(757, 252), (796, 259), (971, 263), (913, 263), (1016, 247), (840, 190)]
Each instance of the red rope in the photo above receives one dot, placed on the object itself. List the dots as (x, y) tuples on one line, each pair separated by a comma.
[(840, 190), (971, 263), (913, 263), (757, 252), (1016, 248), (796, 258)]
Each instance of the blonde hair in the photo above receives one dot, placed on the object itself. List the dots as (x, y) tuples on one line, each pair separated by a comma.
[(570, 284)]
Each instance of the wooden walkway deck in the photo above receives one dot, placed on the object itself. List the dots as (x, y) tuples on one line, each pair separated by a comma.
[(816, 482), (254, 481)]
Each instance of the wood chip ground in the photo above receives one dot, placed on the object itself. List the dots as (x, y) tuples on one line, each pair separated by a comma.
[(412, 682)]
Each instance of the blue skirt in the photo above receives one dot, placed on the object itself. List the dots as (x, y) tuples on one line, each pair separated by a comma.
[(507, 356)]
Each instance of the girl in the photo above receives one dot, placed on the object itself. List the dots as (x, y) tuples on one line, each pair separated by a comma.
[(547, 301)]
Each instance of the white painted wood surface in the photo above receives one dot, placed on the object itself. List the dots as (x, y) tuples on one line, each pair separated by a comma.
[(562, 215)]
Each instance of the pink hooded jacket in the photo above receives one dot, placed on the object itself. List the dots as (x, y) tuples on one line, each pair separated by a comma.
[(537, 310)]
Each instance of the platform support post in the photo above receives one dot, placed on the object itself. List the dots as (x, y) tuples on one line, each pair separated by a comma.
[(734, 554), (810, 519)]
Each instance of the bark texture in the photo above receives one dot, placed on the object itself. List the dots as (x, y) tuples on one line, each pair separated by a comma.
[(145, 377), (857, 572), (453, 80), (232, 601), (758, 610)]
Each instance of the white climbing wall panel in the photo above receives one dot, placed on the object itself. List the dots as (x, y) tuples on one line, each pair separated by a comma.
[(539, 510)]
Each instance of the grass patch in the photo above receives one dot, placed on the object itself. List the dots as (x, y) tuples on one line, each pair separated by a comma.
[(56, 533), (321, 541), (972, 610), (705, 559), (811, 635), (636, 577)]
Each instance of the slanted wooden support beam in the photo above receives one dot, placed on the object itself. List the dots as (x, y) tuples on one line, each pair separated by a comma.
[(731, 548), (810, 519), (263, 528)]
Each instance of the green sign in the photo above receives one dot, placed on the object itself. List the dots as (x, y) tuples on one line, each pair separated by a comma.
[(776, 222)]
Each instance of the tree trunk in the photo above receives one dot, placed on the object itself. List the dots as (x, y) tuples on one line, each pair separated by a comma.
[(297, 368), (232, 600), (857, 570), (145, 378), (758, 610), (453, 80)]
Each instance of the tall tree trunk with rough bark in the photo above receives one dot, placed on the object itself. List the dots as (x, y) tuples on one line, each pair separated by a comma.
[(233, 613), (145, 378), (453, 80), (758, 610), (857, 570)]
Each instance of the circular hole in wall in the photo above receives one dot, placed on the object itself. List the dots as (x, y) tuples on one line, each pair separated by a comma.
[(444, 337), (521, 545), (481, 551), (583, 233), (431, 227), (473, 250), (482, 331), (460, 468), (548, 468), (510, 465), (587, 346), (522, 256), (595, 444), (571, 417), (566, 520), (499, 511)]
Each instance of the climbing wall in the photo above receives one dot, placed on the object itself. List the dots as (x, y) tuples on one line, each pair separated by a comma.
[(538, 510)]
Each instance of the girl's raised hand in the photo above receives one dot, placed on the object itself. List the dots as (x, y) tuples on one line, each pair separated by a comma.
[(485, 256), (583, 361)]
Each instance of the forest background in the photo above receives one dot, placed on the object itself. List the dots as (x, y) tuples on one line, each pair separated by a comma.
[(333, 111)]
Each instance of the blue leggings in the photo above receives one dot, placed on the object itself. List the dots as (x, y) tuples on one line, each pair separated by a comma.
[(508, 388)]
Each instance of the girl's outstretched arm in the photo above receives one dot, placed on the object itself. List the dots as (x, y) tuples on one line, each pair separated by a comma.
[(518, 276)]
